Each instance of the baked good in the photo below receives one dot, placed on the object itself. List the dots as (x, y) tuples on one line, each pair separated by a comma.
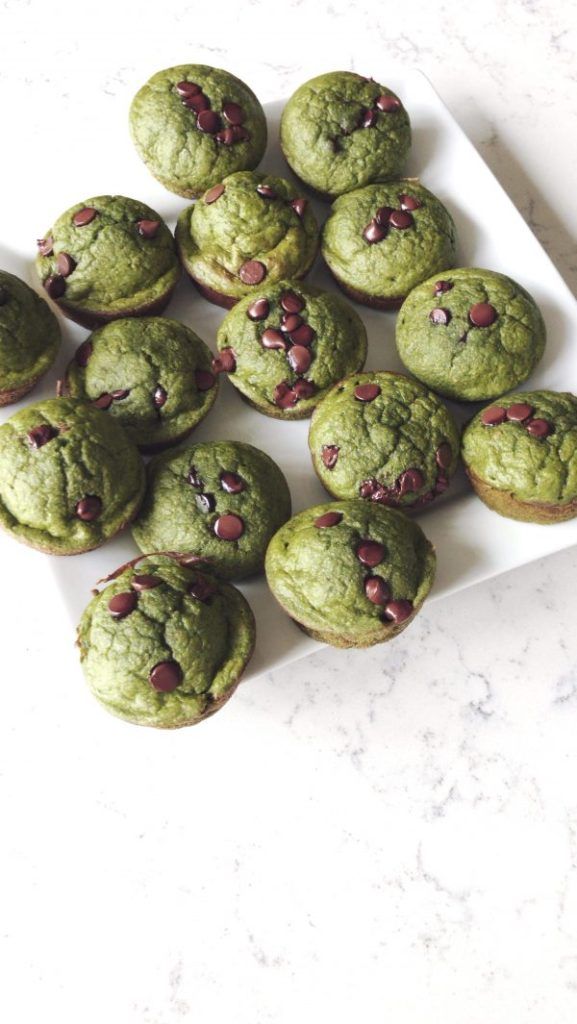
[(286, 346), (29, 338), (384, 437), (349, 573)]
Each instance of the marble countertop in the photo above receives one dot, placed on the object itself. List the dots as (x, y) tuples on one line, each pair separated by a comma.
[(379, 835)]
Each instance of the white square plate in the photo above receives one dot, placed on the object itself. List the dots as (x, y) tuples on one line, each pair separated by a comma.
[(472, 543)]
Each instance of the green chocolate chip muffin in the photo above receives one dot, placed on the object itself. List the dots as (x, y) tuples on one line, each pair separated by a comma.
[(341, 131), (70, 478), (29, 338), (153, 375), (288, 345), (521, 456), (384, 437), (106, 258), (350, 574), (246, 230), (381, 241), (470, 335), (192, 125), (220, 500), (164, 644)]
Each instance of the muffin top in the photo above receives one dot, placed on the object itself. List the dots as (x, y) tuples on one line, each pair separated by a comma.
[(165, 645), (384, 437), (193, 125), (340, 131), (108, 255), (29, 333), (526, 444), (350, 568), (221, 500), (248, 229), (471, 335), (69, 476), (384, 239), (153, 375), (288, 344)]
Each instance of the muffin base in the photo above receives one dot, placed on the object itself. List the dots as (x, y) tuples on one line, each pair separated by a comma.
[(507, 505), (380, 636), (15, 394), (374, 301), (91, 319)]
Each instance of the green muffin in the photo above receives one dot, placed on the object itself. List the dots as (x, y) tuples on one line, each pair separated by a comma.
[(220, 500), (521, 456), (341, 131), (381, 241), (29, 338), (350, 574), (471, 335), (106, 258), (70, 478), (164, 644), (193, 125), (288, 345), (247, 229), (384, 437), (153, 375)]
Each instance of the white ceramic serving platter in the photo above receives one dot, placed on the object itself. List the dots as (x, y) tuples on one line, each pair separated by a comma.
[(472, 543)]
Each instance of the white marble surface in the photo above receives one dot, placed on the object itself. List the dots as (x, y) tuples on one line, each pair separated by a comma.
[(383, 835)]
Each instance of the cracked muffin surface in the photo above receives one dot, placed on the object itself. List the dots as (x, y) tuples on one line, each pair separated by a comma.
[(470, 334), (165, 644)]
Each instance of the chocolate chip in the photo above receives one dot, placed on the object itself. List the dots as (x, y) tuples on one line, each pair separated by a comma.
[(89, 508), (266, 191), (205, 380), (440, 316), (374, 232), (291, 302), (401, 219), (382, 215), (367, 392), (482, 314), (519, 411), (197, 102), (65, 264), (370, 553), (194, 479), (45, 246), (148, 228), (213, 194), (329, 455), (145, 581), (225, 362), (384, 495), (271, 338), (299, 358), (304, 389), (225, 137), (299, 206), (229, 527), (444, 455), (411, 480), (84, 216), (328, 519), (120, 394), (55, 286), (187, 88), (123, 604), (231, 482), (166, 676), (493, 416), (259, 310), (104, 401), (41, 435), (368, 487), (233, 113), (441, 484), (368, 118), (209, 122), (252, 272), (539, 428), (239, 134), (409, 202), (205, 502), (304, 335), (398, 611), (284, 396), (202, 589), (83, 353), (159, 397), (377, 591), (442, 286), (387, 104), (290, 322)]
